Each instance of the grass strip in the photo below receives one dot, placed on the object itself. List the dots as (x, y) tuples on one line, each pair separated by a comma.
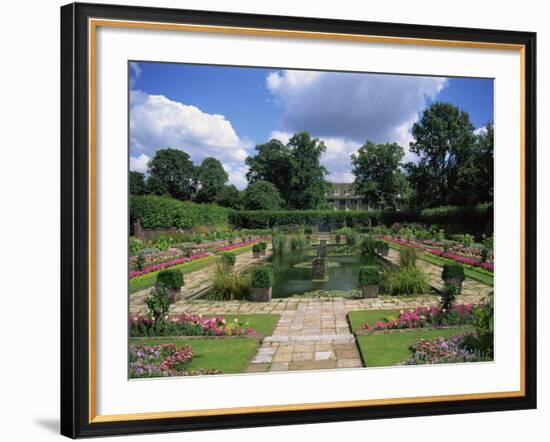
[(226, 355), (387, 349)]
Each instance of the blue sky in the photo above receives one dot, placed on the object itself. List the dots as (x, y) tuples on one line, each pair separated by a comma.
[(225, 111)]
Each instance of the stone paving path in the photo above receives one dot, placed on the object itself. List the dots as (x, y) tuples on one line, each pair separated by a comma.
[(199, 280)]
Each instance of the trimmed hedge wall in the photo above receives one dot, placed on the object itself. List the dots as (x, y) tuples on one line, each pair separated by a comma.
[(467, 219), (159, 212)]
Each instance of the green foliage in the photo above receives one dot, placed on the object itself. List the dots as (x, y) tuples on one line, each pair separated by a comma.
[(256, 248), (211, 177), (171, 279), (229, 259), (228, 286), (367, 248), (137, 183), (351, 238), (408, 257), (294, 169), (298, 242), (135, 246), (230, 197), (279, 244), (453, 271), (140, 261), (484, 325), (158, 303), (262, 195), (369, 275), (449, 294), (262, 277), (378, 176), (156, 212), (263, 245), (171, 172), (446, 246), (162, 243), (381, 247), (405, 281)]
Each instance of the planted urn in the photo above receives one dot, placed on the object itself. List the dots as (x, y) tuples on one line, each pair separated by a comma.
[(256, 250), (453, 274), (263, 248), (172, 282), (369, 280), (262, 283)]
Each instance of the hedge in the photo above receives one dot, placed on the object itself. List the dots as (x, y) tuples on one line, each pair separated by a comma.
[(159, 212), (474, 219)]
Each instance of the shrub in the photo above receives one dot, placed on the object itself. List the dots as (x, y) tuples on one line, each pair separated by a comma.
[(446, 246), (262, 277), (483, 341), (453, 271), (484, 254), (162, 243), (170, 279), (279, 244), (298, 242), (381, 247), (158, 303), (263, 245), (140, 261), (135, 246), (308, 230), (256, 248), (369, 275), (228, 258), (229, 286), (367, 248), (448, 297), (160, 212), (352, 238), (338, 238), (408, 257), (405, 281)]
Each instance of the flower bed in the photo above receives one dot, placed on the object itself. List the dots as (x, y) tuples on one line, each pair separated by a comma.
[(163, 265), (187, 325), (462, 259), (421, 317), (413, 244), (162, 360), (441, 351), (243, 244)]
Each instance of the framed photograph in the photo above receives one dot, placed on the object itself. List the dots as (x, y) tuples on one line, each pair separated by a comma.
[(273, 220)]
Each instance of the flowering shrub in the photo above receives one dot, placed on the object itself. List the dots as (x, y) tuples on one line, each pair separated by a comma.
[(187, 325), (462, 259), (426, 317), (442, 351), (159, 360), (163, 265)]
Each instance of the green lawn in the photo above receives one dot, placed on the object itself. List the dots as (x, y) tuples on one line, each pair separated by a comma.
[(358, 318), (470, 271), (264, 324), (227, 355), (148, 280), (388, 349)]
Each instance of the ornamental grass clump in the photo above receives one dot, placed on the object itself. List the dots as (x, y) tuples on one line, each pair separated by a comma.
[(279, 244), (404, 281), (228, 259), (298, 242), (407, 258), (228, 286)]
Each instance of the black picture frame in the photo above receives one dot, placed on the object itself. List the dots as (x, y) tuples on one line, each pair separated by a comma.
[(75, 221)]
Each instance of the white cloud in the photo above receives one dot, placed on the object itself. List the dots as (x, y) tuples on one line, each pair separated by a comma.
[(158, 122), (480, 130), (345, 110), (135, 72), (283, 137), (139, 164)]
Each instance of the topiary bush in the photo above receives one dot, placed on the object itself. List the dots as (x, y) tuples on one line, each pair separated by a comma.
[(262, 277), (170, 279), (369, 275), (367, 249), (453, 271), (229, 259), (256, 248), (263, 245)]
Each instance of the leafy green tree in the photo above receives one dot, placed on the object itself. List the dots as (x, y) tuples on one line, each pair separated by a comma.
[(230, 197), (262, 195), (378, 175), (294, 169), (137, 183), (172, 172), (444, 140), (211, 177)]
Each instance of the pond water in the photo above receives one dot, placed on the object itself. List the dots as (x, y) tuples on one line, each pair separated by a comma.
[(293, 274)]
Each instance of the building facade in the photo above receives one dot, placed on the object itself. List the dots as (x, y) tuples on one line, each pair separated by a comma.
[(342, 196)]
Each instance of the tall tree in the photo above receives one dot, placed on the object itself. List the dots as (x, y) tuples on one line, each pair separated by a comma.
[(294, 169), (211, 177), (261, 195), (444, 141), (229, 197), (172, 172), (378, 176), (137, 183)]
